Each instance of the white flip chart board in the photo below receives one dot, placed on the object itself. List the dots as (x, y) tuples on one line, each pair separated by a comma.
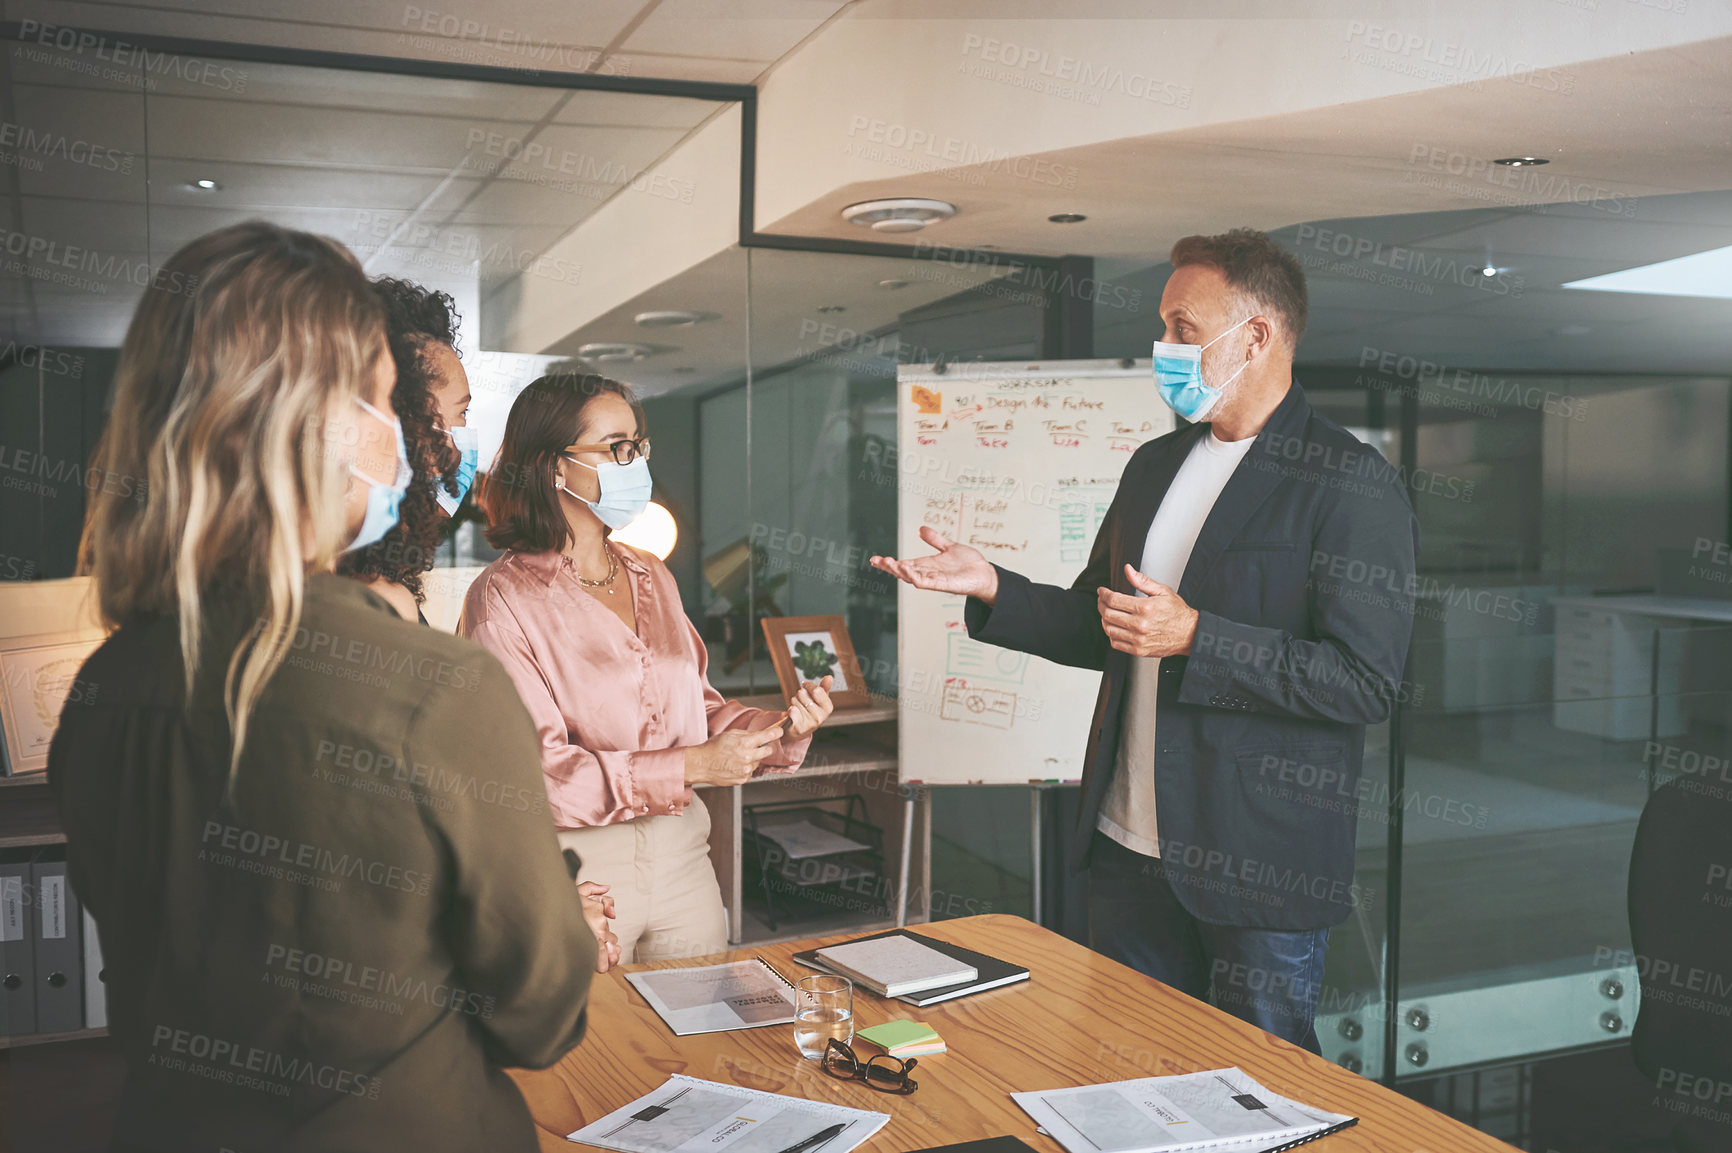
[(1020, 461)]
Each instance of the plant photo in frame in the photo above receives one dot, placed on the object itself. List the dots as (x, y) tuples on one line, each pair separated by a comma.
[(811, 648)]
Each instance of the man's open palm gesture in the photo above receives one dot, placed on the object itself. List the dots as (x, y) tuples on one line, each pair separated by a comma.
[(956, 568)]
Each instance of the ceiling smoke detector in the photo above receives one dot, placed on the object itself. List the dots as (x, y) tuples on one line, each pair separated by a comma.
[(613, 352), (668, 318), (909, 214)]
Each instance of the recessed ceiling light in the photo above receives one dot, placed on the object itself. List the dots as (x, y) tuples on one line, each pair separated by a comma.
[(892, 284), (1521, 161), (832, 308), (1067, 218), (902, 214), (613, 352), (204, 184), (667, 318), (1489, 271)]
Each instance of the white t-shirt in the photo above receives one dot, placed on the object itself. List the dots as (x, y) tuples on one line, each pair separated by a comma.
[(1128, 814)]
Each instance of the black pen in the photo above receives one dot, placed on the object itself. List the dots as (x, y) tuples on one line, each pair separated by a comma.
[(816, 1139)]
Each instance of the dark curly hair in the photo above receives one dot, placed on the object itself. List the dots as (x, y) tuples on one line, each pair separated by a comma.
[(414, 317)]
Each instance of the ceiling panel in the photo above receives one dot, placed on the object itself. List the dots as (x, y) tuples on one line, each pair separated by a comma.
[(631, 110), (373, 91), (761, 30), (292, 133)]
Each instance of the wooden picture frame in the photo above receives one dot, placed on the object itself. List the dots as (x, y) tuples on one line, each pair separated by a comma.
[(830, 634)]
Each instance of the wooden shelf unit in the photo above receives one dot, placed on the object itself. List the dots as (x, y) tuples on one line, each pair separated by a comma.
[(27, 814), (854, 752), (25, 1040)]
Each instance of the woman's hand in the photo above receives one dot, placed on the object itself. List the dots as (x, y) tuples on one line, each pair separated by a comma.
[(810, 708), (598, 911), (730, 757)]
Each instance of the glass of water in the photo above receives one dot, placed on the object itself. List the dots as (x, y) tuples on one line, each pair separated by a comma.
[(823, 1008)]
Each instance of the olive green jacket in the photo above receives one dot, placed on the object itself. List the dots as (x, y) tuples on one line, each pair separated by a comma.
[(344, 954)]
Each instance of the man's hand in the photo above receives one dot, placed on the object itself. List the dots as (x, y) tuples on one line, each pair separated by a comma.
[(598, 911), (1159, 624), (810, 708), (956, 569)]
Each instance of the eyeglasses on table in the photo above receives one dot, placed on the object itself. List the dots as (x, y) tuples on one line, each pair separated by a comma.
[(890, 1076)]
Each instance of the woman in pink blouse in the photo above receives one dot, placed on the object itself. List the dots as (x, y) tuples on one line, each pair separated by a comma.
[(593, 634)]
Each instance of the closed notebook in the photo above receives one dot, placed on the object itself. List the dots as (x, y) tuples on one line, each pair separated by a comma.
[(896, 966), (992, 972)]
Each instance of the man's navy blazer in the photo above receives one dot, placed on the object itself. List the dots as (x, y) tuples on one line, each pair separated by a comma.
[(1303, 578)]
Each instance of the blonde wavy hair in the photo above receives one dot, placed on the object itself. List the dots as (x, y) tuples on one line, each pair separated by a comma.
[(244, 346)]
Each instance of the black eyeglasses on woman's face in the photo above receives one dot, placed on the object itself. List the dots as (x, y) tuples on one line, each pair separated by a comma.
[(890, 1076), (624, 451)]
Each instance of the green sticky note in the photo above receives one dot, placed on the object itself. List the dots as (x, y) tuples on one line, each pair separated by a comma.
[(893, 1034)]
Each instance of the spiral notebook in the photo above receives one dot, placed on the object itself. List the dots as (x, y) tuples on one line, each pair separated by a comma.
[(1219, 1110), (716, 998)]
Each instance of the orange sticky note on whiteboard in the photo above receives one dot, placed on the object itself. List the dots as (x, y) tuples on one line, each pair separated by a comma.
[(927, 402)]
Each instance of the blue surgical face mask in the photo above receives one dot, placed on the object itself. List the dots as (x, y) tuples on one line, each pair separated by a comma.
[(1179, 376), (625, 491), (468, 443), (382, 499)]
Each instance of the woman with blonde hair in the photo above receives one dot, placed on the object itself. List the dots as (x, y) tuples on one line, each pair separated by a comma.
[(330, 904)]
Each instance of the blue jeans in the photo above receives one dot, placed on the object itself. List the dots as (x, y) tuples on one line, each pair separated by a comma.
[(1266, 977)]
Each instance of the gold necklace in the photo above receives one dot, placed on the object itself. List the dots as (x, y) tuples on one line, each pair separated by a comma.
[(612, 571)]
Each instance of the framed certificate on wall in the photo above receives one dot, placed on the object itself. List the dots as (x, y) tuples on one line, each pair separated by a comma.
[(38, 676)]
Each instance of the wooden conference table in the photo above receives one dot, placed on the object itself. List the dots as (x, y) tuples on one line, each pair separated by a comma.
[(1079, 1019)]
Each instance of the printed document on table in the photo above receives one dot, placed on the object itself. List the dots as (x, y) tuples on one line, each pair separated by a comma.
[(716, 998), (687, 1115), (1223, 1111)]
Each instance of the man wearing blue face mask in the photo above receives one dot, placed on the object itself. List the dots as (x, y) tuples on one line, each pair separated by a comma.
[(1249, 601)]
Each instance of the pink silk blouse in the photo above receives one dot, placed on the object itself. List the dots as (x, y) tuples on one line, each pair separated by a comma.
[(615, 709)]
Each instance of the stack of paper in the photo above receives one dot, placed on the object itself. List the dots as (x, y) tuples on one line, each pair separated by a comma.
[(990, 972), (802, 839), (686, 1113), (903, 1038), (1222, 1111)]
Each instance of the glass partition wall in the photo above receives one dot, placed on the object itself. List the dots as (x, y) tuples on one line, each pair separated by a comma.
[(1565, 449), (504, 195)]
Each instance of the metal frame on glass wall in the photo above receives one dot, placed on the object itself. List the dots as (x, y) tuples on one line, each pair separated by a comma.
[(1068, 330), (745, 95)]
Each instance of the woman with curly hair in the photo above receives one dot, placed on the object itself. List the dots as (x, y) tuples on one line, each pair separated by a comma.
[(432, 400)]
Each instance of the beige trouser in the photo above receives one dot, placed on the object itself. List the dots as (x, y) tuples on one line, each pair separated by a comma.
[(667, 903)]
